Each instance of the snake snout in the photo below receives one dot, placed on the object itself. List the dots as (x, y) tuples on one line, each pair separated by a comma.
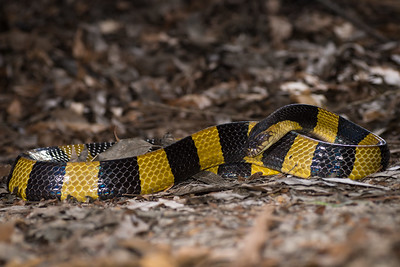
[(258, 144), (252, 152)]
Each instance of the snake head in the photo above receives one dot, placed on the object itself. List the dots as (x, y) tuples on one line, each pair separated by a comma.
[(259, 143)]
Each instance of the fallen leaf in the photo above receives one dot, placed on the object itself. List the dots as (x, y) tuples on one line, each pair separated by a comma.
[(6, 231), (125, 148), (130, 226), (280, 29), (389, 75), (250, 253), (109, 26)]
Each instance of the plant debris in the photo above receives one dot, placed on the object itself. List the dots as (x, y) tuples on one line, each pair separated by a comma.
[(86, 71)]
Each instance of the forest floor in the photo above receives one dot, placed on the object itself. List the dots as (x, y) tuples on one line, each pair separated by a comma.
[(81, 71)]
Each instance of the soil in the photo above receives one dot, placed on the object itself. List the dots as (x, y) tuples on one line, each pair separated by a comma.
[(88, 71)]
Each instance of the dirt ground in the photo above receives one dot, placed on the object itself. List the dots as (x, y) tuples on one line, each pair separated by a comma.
[(84, 71)]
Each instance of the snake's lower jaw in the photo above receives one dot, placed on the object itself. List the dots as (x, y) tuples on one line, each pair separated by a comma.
[(253, 149), (252, 152)]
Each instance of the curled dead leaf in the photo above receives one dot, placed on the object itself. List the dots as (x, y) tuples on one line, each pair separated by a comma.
[(192, 100)]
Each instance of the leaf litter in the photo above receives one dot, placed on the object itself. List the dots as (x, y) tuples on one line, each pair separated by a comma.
[(151, 68)]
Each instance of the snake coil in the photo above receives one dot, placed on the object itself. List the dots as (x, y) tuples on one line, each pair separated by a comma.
[(283, 142)]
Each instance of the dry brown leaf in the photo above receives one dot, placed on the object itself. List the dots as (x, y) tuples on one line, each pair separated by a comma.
[(130, 226), (6, 231), (79, 50), (339, 253), (388, 75), (125, 148), (250, 252), (300, 92), (345, 31), (192, 256), (78, 157), (109, 26), (280, 29), (310, 99), (15, 109), (158, 259), (192, 100)]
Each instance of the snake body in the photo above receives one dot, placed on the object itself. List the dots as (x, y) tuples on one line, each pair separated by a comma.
[(283, 142)]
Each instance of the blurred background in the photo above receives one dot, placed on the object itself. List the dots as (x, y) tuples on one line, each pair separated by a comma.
[(73, 71)]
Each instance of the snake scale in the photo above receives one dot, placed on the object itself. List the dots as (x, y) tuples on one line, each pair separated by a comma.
[(298, 139)]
